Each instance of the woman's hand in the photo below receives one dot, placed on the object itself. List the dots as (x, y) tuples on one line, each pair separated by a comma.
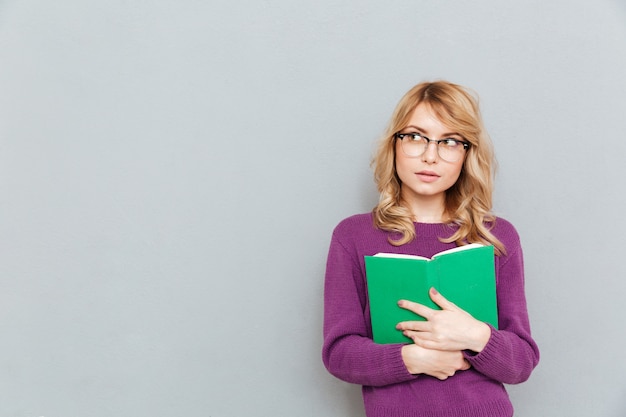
[(450, 329), (438, 363)]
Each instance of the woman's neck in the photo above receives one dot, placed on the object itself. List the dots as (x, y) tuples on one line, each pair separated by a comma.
[(427, 210), (428, 218)]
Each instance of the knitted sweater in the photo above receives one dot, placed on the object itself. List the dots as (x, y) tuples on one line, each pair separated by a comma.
[(389, 390)]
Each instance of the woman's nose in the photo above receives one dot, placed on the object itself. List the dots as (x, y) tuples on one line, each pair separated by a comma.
[(430, 155)]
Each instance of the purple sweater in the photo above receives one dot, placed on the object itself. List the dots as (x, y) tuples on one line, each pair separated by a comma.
[(389, 390)]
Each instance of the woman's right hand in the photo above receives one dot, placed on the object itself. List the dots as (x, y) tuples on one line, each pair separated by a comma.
[(438, 363)]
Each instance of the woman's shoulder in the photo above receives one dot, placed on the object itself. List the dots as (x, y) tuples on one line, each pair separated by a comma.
[(501, 223), (504, 231), (359, 235), (355, 223)]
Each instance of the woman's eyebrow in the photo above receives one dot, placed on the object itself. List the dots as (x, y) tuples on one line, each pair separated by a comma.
[(445, 135)]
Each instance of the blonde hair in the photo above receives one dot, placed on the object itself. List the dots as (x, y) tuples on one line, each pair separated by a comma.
[(468, 202)]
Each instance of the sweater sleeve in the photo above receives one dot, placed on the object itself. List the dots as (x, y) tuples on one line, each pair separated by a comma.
[(510, 354), (348, 351)]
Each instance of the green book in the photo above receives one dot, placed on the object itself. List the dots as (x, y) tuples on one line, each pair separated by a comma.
[(464, 275)]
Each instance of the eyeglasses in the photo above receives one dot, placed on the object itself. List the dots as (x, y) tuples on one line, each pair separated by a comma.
[(415, 144)]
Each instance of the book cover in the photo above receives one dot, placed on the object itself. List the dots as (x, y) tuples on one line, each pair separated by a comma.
[(464, 275)]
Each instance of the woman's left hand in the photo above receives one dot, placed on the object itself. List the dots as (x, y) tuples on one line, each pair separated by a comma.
[(450, 328)]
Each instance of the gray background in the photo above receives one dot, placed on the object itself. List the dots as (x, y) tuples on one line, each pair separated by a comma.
[(171, 172)]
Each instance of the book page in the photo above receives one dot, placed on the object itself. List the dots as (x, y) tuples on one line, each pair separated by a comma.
[(445, 252), (400, 256), (459, 248)]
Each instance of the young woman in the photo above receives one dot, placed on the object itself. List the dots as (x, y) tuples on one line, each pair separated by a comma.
[(434, 171)]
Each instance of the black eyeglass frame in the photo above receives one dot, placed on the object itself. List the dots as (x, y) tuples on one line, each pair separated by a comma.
[(400, 135)]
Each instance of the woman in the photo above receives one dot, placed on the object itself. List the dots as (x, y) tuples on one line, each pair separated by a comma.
[(434, 171)]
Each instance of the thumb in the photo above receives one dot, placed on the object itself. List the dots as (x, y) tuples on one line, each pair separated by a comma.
[(441, 301)]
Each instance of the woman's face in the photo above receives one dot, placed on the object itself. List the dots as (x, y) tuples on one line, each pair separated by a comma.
[(427, 177)]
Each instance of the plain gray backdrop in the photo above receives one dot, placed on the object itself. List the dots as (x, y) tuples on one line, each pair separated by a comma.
[(171, 172)]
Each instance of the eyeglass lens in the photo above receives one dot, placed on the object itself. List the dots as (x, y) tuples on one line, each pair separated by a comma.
[(414, 145)]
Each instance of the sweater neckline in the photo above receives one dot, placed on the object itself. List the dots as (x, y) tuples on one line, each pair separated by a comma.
[(434, 229)]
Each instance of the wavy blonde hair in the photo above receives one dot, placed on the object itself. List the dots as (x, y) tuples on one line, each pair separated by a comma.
[(468, 202)]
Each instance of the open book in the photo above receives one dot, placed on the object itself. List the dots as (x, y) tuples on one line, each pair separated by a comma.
[(464, 275)]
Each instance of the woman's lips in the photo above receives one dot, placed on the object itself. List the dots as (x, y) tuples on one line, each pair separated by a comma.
[(427, 176)]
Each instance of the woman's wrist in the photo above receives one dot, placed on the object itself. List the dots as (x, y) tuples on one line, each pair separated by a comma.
[(481, 337)]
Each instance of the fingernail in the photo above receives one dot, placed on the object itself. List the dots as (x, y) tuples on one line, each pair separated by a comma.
[(434, 291)]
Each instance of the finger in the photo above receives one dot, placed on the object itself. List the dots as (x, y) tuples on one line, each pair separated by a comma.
[(421, 339), (416, 337), (411, 335), (417, 326), (441, 301), (419, 309)]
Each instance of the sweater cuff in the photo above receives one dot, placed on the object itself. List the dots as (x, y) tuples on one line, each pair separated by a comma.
[(396, 367)]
